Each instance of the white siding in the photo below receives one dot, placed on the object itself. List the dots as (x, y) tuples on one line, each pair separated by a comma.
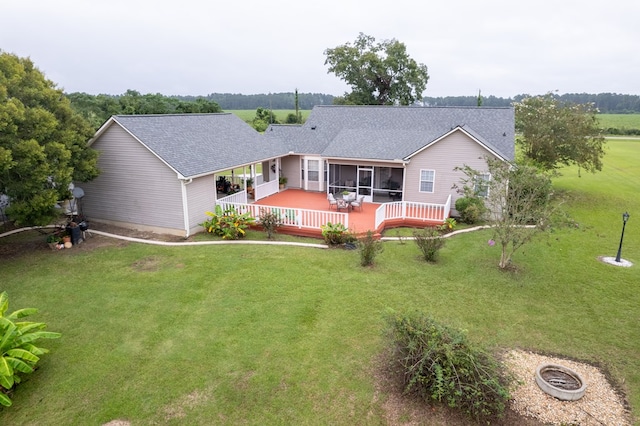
[(456, 150), (134, 186)]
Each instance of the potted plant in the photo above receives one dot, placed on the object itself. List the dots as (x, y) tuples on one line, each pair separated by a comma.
[(53, 240), (248, 183), (282, 181)]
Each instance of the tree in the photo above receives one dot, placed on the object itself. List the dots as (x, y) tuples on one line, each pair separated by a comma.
[(518, 203), (556, 134), (378, 73), (263, 118), (43, 143)]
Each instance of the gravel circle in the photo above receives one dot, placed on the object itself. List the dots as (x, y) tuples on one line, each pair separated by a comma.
[(600, 405)]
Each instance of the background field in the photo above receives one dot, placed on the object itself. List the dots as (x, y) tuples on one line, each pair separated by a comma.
[(619, 121), (281, 114), (622, 122)]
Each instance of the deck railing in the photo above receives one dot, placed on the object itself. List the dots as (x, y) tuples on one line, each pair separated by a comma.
[(412, 210), (314, 219), (265, 189), (290, 216)]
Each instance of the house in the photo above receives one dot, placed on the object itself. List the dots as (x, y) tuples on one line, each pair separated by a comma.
[(393, 153), (159, 172)]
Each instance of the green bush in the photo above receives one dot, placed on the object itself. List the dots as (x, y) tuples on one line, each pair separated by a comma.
[(369, 247), (429, 241), (18, 354), (440, 364), (228, 223), (470, 209), (270, 221), (336, 234)]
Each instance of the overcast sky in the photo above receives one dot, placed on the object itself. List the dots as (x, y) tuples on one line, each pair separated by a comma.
[(197, 47)]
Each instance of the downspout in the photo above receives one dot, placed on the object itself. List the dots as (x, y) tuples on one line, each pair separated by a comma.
[(185, 205)]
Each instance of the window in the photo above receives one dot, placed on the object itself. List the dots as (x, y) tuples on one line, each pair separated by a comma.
[(481, 184), (427, 180), (314, 170)]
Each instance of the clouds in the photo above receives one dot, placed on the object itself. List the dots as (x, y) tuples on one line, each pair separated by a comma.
[(198, 47)]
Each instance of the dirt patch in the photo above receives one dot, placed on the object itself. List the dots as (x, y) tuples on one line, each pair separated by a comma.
[(32, 241)]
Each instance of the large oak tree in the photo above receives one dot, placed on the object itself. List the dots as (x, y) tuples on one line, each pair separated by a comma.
[(43, 143), (378, 73)]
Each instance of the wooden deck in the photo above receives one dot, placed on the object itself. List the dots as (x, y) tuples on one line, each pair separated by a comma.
[(359, 221)]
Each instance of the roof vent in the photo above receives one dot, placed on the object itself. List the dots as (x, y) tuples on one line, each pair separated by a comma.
[(313, 127)]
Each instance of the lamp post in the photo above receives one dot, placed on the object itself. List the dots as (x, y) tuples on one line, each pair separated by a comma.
[(625, 218)]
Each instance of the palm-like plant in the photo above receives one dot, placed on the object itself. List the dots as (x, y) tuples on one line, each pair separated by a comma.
[(18, 354)]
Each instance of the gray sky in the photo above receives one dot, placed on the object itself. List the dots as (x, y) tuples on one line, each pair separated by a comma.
[(197, 47)]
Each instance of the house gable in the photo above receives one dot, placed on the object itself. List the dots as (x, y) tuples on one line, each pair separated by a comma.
[(470, 134), (134, 186), (456, 149)]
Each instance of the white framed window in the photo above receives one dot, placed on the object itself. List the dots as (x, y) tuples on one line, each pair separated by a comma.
[(481, 184), (313, 170), (427, 180)]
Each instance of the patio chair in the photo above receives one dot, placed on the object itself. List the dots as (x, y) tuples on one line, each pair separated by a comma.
[(332, 201), (358, 203)]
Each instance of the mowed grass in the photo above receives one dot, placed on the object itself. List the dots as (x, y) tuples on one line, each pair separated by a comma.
[(285, 335)]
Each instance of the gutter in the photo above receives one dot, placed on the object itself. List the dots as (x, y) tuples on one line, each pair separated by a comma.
[(185, 205)]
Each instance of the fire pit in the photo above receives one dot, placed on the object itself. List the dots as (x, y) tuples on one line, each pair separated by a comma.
[(560, 382)]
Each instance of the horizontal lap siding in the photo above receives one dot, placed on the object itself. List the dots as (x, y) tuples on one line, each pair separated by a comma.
[(201, 196), (456, 150), (134, 186)]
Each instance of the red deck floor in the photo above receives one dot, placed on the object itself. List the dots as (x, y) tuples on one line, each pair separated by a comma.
[(359, 221)]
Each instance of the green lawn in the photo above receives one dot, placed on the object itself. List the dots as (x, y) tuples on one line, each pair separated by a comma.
[(283, 335)]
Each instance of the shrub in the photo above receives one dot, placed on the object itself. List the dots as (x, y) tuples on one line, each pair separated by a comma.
[(369, 247), (270, 221), (440, 364), (228, 223), (336, 234), (18, 354), (448, 225), (470, 209), (429, 242)]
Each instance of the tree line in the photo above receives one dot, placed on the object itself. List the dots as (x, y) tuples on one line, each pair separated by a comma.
[(606, 103)]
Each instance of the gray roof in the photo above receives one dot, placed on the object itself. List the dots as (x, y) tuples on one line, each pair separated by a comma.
[(393, 133), (197, 144)]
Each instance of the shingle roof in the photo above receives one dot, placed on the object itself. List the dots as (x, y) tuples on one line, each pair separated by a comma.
[(389, 132), (196, 144)]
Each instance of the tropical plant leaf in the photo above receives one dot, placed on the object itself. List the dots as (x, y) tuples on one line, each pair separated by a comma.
[(4, 303), (26, 326), (5, 368), (30, 337), (34, 349), (18, 364), (4, 400), (6, 381), (23, 354), (8, 337), (21, 313)]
